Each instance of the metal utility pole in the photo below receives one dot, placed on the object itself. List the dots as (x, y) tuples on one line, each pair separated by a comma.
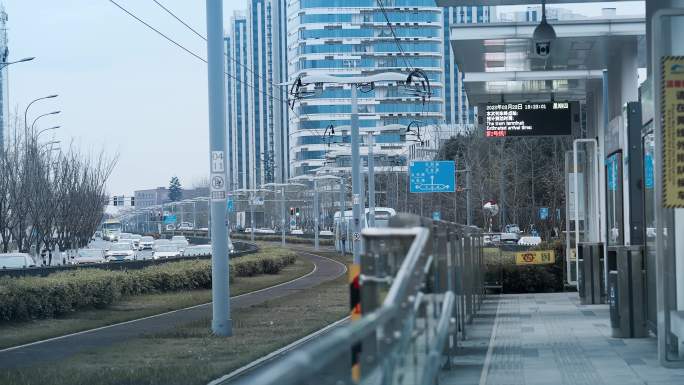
[(221, 323), (371, 180), (317, 216), (469, 213), (343, 218), (357, 197), (282, 216), (251, 214)]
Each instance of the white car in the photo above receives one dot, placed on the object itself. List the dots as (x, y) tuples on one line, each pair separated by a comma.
[(197, 251), (121, 252), (181, 244), (84, 256), (264, 231), (529, 241), (160, 242), (297, 232), (326, 233), (146, 242), (170, 227), (16, 261), (166, 251)]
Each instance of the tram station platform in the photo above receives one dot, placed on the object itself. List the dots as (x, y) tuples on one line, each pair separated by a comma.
[(545, 339)]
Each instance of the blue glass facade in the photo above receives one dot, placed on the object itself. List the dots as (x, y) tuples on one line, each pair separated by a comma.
[(241, 130), (457, 110), (351, 38)]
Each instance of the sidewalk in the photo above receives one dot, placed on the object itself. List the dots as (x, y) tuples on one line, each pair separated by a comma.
[(545, 339)]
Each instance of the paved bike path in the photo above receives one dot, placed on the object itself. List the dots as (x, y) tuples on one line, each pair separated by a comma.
[(60, 348)]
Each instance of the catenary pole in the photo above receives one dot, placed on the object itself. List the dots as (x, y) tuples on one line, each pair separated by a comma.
[(371, 180), (221, 323), (357, 198)]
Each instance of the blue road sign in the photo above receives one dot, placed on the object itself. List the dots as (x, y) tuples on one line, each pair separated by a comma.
[(436, 216), (648, 171), (169, 219), (612, 172), (543, 213), (433, 176), (230, 206)]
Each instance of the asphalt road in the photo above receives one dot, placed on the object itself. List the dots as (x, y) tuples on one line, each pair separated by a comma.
[(60, 348)]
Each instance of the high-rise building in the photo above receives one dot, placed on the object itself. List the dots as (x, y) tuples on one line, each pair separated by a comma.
[(352, 38), (241, 160), (457, 110), (261, 90), (280, 108), (257, 105), (4, 53)]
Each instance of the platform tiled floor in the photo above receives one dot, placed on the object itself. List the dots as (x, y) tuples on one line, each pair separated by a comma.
[(545, 339)]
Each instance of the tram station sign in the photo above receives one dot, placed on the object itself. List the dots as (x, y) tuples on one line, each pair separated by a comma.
[(502, 120), (673, 131)]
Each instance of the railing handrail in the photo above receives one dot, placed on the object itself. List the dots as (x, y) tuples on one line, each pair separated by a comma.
[(313, 357)]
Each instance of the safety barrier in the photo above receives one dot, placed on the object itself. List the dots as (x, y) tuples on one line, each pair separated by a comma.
[(420, 283)]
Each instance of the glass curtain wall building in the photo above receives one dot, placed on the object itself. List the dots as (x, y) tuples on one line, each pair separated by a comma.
[(261, 92), (280, 108), (457, 110), (352, 38), (241, 135)]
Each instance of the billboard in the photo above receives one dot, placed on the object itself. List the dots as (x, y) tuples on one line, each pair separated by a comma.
[(502, 120)]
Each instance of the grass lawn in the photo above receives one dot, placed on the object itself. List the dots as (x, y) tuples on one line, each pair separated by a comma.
[(190, 354), (13, 334)]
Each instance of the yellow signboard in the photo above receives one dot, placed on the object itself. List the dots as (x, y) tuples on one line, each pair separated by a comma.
[(539, 257), (673, 132)]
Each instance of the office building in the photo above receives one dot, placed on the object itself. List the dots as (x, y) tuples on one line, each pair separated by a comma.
[(457, 110), (346, 38)]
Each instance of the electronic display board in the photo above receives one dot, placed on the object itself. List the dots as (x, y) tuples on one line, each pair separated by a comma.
[(526, 119)]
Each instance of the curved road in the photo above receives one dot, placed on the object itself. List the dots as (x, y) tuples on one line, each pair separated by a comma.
[(59, 348)]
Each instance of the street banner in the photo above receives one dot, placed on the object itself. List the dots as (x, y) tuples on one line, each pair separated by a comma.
[(538, 257), (673, 132)]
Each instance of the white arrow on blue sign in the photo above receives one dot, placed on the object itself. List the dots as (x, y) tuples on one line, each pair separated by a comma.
[(433, 176)]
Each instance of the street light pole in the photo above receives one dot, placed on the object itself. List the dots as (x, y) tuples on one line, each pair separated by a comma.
[(371, 180), (29, 106), (33, 125), (221, 323)]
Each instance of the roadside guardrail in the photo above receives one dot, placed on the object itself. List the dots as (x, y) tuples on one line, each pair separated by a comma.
[(420, 284)]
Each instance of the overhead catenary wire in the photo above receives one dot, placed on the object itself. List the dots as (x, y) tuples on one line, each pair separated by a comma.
[(396, 39), (190, 52)]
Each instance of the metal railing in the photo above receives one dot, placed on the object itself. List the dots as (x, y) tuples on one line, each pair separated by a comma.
[(421, 283)]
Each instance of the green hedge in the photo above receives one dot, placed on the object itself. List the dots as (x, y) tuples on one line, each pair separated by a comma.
[(60, 293)]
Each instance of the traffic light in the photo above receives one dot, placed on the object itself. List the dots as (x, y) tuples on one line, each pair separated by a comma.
[(292, 211), (297, 211)]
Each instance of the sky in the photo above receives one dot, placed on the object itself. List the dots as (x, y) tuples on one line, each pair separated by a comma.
[(122, 88)]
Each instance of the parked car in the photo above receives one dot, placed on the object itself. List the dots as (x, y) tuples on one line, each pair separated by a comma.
[(84, 256), (16, 261), (510, 238), (197, 251), (326, 233), (170, 227), (297, 232), (146, 242), (166, 251), (530, 241), (121, 252), (512, 228)]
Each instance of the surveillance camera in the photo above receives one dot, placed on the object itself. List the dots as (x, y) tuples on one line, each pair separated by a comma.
[(542, 48)]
